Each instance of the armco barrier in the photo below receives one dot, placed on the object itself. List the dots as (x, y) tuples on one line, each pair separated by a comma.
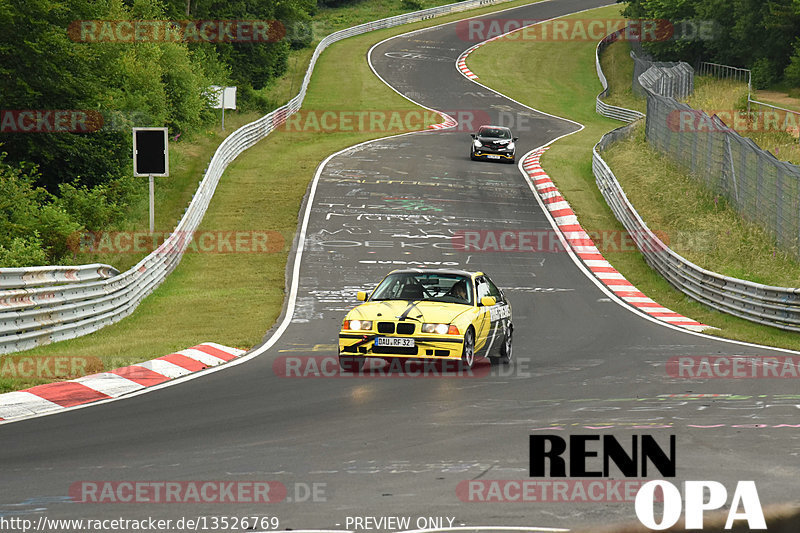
[(602, 108), (32, 314), (773, 306), (18, 278)]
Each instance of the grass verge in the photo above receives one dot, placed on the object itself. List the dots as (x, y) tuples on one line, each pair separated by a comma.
[(567, 87), (187, 161), (711, 95), (328, 20), (618, 68), (723, 241), (230, 298), (727, 96)]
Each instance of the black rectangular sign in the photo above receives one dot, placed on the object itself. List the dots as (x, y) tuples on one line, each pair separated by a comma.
[(150, 152)]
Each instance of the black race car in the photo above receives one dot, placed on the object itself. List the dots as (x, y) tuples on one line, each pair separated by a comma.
[(493, 142)]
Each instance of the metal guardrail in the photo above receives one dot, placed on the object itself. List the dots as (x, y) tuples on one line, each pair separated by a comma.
[(602, 108), (764, 304), (82, 302), (16, 278)]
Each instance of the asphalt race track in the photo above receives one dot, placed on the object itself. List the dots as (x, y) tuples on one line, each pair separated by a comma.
[(399, 446)]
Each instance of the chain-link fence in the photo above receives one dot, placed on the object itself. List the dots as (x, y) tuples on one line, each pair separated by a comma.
[(667, 78), (721, 159), (788, 117), (759, 186)]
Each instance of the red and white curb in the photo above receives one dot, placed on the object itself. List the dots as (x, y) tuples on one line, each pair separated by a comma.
[(583, 246), (461, 63), (114, 383), (449, 122)]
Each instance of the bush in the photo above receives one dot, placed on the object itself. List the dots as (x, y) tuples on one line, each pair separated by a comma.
[(57, 229), (23, 252), (249, 99), (763, 73), (92, 207), (31, 218), (792, 73), (411, 5)]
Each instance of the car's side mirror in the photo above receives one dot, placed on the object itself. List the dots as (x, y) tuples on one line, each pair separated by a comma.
[(361, 296), (516, 138), (488, 301), (472, 135)]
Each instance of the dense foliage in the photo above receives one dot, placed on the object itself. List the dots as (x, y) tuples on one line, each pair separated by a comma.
[(56, 183), (763, 35)]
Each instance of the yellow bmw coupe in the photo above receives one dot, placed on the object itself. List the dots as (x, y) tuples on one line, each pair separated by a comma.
[(428, 314)]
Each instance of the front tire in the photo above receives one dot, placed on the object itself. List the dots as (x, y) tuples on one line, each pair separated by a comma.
[(468, 350)]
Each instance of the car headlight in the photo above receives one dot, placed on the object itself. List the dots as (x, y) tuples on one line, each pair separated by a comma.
[(358, 325), (477, 143), (510, 146), (440, 329)]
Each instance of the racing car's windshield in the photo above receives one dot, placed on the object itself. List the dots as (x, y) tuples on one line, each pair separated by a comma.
[(495, 133), (429, 286)]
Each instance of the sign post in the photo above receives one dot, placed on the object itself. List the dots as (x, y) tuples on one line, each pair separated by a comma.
[(150, 158), (152, 205), (223, 98)]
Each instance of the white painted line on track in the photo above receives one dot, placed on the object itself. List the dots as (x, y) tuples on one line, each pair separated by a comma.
[(572, 219), (304, 227)]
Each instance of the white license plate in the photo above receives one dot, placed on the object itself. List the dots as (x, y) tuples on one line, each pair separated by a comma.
[(492, 156), (395, 342)]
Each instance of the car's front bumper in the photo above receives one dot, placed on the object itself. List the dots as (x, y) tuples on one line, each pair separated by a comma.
[(491, 155), (425, 347)]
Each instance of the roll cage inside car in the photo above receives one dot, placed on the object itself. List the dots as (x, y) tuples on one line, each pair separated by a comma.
[(427, 286)]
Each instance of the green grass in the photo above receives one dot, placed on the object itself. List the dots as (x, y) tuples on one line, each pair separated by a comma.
[(618, 68), (566, 85), (781, 95), (326, 21), (713, 95), (723, 242), (187, 161), (234, 299)]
